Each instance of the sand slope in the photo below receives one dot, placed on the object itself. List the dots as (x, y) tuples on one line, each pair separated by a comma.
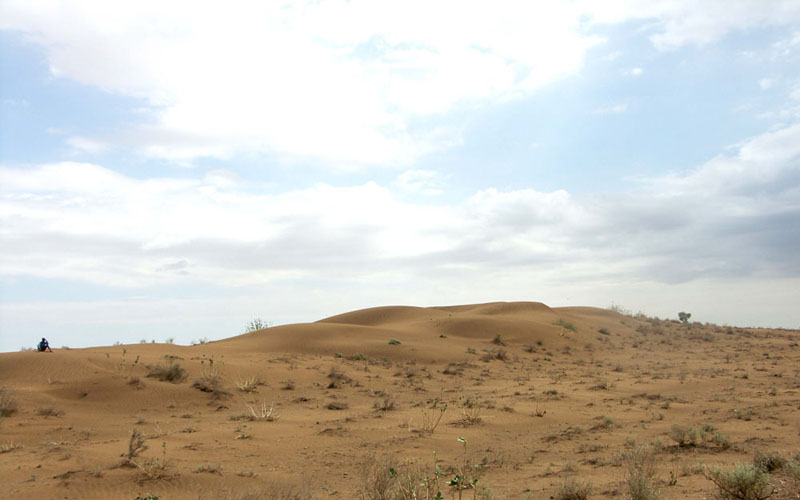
[(539, 394)]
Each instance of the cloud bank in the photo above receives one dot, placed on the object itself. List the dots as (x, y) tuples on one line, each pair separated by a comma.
[(348, 83), (736, 215)]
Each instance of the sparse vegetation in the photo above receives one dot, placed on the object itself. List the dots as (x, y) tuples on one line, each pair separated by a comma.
[(210, 380), (744, 482), (136, 445), (154, 468), (640, 468), (263, 413), (566, 324), (394, 341), (49, 412), (255, 324), (248, 384), (168, 371), (572, 489), (8, 403)]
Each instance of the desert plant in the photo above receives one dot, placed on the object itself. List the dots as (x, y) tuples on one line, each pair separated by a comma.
[(263, 413), (337, 405), (168, 371), (208, 468), (7, 447), (471, 415), (640, 467), (430, 421), (566, 324), (49, 412), (255, 325), (744, 482), (154, 468), (248, 384), (684, 436), (210, 380), (572, 489), (386, 403), (465, 477), (684, 317), (135, 444), (337, 378), (394, 341), (769, 462), (8, 403), (386, 478)]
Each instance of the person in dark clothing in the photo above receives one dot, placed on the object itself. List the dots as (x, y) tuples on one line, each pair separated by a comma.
[(44, 346)]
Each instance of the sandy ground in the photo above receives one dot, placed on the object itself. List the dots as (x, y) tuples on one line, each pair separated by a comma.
[(538, 395)]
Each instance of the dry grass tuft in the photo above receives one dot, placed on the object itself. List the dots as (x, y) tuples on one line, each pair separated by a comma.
[(49, 412), (572, 489), (8, 403), (249, 384), (263, 413)]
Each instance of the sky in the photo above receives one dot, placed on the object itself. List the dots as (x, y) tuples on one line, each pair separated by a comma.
[(176, 169)]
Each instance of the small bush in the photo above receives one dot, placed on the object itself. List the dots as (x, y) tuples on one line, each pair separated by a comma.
[(337, 405), (49, 412), (211, 384), (135, 444), (769, 462), (394, 341), (745, 482), (255, 325), (499, 354), (167, 372), (640, 465), (684, 436), (572, 489), (8, 403), (566, 324), (384, 404)]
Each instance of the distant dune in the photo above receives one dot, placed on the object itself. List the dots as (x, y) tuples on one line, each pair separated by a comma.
[(325, 409)]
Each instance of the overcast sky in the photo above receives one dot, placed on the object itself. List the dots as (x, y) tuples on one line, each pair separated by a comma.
[(175, 169)]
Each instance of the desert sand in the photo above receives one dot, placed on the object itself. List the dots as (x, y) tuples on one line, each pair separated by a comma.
[(538, 396)]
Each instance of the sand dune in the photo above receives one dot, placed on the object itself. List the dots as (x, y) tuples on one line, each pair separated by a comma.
[(540, 394)]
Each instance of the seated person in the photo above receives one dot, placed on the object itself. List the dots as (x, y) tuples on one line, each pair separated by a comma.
[(44, 346)]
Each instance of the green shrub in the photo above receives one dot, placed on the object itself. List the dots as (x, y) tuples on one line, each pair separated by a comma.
[(394, 341), (769, 462), (640, 466), (745, 482), (684, 436)]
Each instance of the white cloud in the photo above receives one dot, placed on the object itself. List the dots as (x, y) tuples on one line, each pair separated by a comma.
[(84, 222), (336, 80), (420, 181), (344, 82), (86, 145), (765, 83), (636, 71)]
